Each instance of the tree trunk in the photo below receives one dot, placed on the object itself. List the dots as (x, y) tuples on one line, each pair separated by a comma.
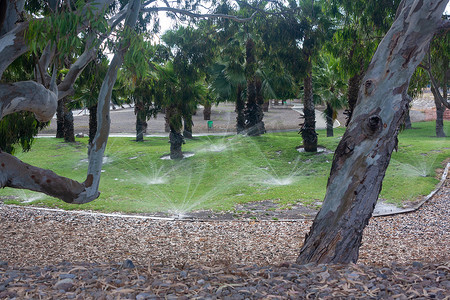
[(69, 134), (176, 139), (253, 111), (92, 122), (308, 129), (259, 106), (166, 123), (352, 94), (240, 105), (329, 114), (408, 124), (265, 106), (140, 124), (187, 132), (362, 156), (60, 119), (440, 109), (207, 112)]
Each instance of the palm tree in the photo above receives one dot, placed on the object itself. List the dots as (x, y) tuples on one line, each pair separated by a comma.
[(329, 87), (228, 82)]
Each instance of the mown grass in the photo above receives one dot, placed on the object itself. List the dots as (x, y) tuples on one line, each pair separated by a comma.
[(245, 169)]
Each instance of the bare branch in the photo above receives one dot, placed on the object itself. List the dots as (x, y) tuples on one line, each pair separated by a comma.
[(43, 64), (65, 87)]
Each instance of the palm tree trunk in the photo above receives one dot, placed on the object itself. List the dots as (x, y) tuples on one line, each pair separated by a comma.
[(329, 113), (352, 94), (207, 112), (176, 140), (60, 119), (69, 133), (187, 132), (240, 105), (140, 126), (408, 124), (259, 106), (308, 130)]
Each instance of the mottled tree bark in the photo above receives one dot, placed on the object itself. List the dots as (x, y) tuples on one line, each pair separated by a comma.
[(362, 156)]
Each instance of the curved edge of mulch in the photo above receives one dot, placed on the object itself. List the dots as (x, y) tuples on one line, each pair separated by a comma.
[(420, 203)]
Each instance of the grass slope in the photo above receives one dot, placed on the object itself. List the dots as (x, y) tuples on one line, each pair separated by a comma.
[(225, 171)]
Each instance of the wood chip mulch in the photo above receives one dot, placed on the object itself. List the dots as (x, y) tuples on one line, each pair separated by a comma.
[(49, 255)]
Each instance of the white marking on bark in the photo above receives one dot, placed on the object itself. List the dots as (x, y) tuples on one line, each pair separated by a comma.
[(5, 41)]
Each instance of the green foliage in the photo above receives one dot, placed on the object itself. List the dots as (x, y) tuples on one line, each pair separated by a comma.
[(359, 27), (329, 85), (63, 30), (18, 129)]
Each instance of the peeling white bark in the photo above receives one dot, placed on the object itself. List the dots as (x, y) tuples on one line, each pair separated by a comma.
[(97, 149), (12, 45), (28, 96)]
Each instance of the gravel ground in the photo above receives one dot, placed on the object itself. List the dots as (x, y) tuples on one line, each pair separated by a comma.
[(64, 255)]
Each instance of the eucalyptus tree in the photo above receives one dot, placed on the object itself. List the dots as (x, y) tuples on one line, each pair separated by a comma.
[(44, 37), (362, 156), (87, 88)]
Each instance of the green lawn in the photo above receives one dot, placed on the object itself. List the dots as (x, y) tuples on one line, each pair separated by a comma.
[(225, 171)]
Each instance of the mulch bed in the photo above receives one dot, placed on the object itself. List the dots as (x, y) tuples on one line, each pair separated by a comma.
[(61, 255)]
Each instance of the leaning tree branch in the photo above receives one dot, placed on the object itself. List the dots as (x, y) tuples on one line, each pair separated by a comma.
[(16, 174)]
